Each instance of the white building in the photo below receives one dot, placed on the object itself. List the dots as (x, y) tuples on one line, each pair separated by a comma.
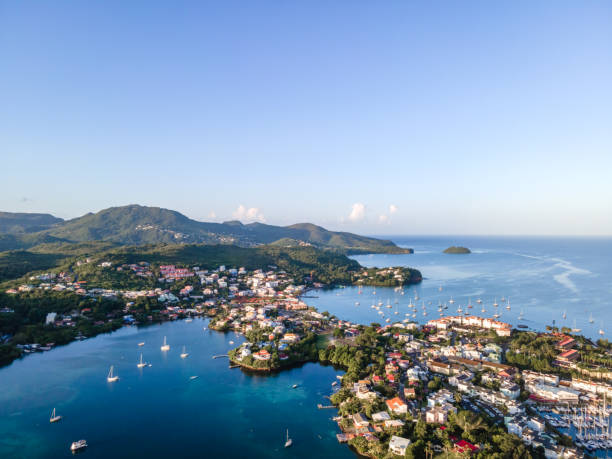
[(398, 445)]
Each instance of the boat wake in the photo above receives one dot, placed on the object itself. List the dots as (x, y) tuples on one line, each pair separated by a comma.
[(562, 278)]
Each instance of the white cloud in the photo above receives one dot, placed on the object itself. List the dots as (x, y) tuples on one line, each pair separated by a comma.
[(392, 209), (251, 214), (357, 212)]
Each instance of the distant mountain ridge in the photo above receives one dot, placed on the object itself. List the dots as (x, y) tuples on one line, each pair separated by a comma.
[(16, 223), (138, 225)]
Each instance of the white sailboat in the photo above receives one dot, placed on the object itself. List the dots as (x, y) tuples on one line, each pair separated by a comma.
[(165, 346), (601, 331), (54, 417), (495, 302), (451, 301), (520, 317), (478, 301), (289, 441), (470, 303), (141, 363), (508, 305), (591, 318), (564, 314), (112, 377), (184, 354), (575, 329)]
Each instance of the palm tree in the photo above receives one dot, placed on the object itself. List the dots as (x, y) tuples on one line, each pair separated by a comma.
[(469, 422)]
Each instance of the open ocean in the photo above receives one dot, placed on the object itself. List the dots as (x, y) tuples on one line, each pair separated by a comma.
[(159, 412), (542, 277)]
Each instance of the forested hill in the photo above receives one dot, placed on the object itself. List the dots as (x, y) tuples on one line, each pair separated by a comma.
[(137, 225), (18, 223)]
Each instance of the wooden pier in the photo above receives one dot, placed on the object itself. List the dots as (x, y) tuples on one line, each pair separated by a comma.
[(325, 407)]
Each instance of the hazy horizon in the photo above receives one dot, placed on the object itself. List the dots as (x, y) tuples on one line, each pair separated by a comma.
[(370, 118)]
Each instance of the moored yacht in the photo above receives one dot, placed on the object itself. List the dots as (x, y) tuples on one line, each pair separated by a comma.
[(112, 377), (184, 354), (289, 441), (78, 445), (141, 363), (165, 346), (54, 417)]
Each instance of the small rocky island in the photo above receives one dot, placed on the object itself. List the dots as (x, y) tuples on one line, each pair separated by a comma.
[(457, 250)]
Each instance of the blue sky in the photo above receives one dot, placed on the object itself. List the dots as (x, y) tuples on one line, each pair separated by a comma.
[(466, 117)]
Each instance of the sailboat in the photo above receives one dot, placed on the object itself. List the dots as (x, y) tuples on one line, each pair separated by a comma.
[(166, 346), (141, 363), (470, 304), (289, 441), (478, 301), (111, 377), (54, 417), (508, 305), (575, 329), (451, 301), (495, 303), (591, 318), (440, 288), (483, 310), (564, 314), (520, 317), (184, 354), (601, 332)]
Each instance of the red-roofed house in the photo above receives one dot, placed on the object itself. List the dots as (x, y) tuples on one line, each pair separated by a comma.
[(566, 344), (397, 405), (463, 446), (569, 356)]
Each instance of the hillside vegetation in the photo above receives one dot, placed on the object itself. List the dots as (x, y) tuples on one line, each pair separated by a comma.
[(140, 225)]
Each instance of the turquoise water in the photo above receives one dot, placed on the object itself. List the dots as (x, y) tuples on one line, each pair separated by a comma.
[(541, 276), (159, 411)]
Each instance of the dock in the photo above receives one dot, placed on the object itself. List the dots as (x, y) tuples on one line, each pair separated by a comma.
[(325, 407), (219, 356)]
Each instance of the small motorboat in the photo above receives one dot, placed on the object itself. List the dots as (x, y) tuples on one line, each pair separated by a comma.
[(78, 445), (141, 344)]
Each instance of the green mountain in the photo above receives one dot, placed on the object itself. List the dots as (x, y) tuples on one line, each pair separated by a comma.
[(138, 225), (17, 223)]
